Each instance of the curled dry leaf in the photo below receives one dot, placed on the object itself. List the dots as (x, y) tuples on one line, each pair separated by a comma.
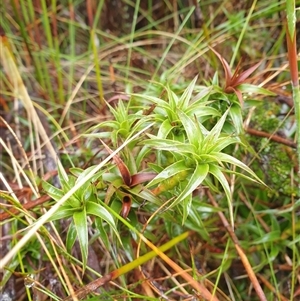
[(121, 166), (126, 205)]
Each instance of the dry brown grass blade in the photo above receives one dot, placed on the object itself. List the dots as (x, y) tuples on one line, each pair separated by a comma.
[(271, 288), (199, 287), (27, 206), (29, 180), (19, 91), (240, 251), (201, 290)]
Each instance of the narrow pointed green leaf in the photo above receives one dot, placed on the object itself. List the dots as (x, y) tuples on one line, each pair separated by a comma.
[(204, 131), (152, 99), (55, 193), (76, 171), (209, 158), (201, 111), (172, 98), (273, 236), (64, 211), (203, 95), (110, 124), (187, 94), (195, 180), (164, 129), (236, 115), (103, 230), (214, 134), (186, 207), (74, 200), (229, 159), (85, 173), (144, 151), (249, 88), (193, 132), (291, 19), (71, 237), (148, 196), (215, 79), (98, 210), (69, 183), (223, 142), (80, 223), (170, 145), (217, 173)]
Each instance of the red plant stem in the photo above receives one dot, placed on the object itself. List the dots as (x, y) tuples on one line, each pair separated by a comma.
[(292, 56)]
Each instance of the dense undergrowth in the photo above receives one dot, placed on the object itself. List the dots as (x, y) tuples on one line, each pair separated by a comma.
[(148, 151)]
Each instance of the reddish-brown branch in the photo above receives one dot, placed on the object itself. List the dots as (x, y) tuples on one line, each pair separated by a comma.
[(27, 206), (272, 137)]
